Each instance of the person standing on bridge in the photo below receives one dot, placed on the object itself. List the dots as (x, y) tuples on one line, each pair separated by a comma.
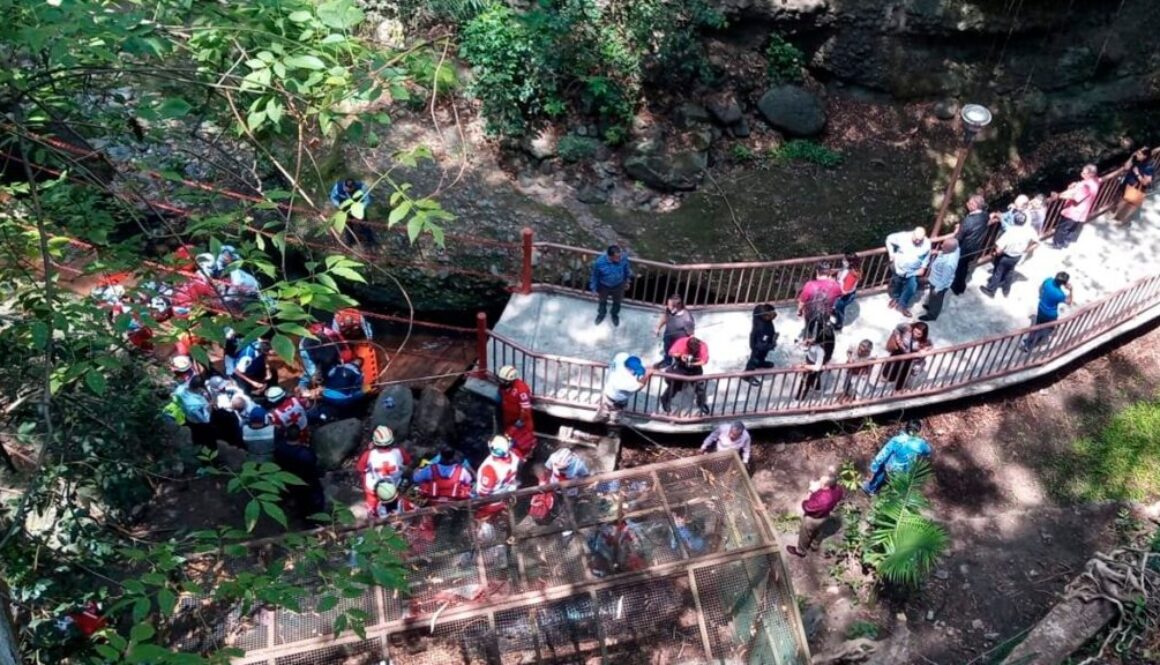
[(1054, 292), (690, 356), (897, 456), (1078, 201), (611, 275), (762, 340), (972, 237), (675, 323), (1015, 243), (626, 376), (848, 278), (1138, 175), (909, 254), (816, 300), (940, 277)]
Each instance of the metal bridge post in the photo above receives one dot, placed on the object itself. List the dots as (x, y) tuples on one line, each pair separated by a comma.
[(481, 345), (526, 272)]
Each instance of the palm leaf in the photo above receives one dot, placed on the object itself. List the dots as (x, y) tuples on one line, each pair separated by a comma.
[(915, 546)]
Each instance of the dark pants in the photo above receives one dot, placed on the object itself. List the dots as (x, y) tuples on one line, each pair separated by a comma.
[(1004, 274), (617, 293), (1066, 232), (227, 427), (840, 306), (810, 381), (757, 359), (666, 343), (673, 387), (364, 232), (808, 531), (204, 435), (1035, 337), (963, 273), (897, 371), (934, 303), (902, 289)]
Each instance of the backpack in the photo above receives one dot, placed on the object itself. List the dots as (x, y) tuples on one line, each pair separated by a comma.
[(542, 507), (817, 307), (349, 323)]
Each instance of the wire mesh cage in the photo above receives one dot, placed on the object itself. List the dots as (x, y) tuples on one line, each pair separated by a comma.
[(669, 563)]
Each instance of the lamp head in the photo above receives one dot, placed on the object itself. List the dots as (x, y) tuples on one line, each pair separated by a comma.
[(975, 118)]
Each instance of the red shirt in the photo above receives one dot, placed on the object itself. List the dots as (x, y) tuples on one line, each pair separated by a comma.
[(681, 348), (826, 287), (516, 404), (822, 502)]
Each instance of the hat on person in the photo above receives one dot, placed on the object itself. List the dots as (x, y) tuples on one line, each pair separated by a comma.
[(206, 261), (275, 394), (560, 459), (508, 373), (500, 445), (257, 415), (180, 363), (383, 436), (634, 365)]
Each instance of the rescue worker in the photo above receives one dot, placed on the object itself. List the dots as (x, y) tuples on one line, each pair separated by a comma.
[(226, 422), (351, 324), (184, 368), (342, 391), (194, 403), (447, 478), (515, 404), (259, 436), (390, 501), (252, 370), (564, 465), (294, 455), (196, 289), (243, 285), (319, 353), (497, 474), (288, 411), (383, 460)]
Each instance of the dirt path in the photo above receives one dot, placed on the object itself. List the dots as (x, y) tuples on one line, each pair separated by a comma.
[(1003, 473)]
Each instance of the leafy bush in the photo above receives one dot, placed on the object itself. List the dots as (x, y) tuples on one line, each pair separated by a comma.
[(583, 56), (511, 80), (572, 148), (862, 629), (784, 61), (740, 152), (801, 150), (426, 70), (903, 544)]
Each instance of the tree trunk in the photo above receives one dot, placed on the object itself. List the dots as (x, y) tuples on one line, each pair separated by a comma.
[(1067, 627)]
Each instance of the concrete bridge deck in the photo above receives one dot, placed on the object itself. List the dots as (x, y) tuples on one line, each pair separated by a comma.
[(1107, 258)]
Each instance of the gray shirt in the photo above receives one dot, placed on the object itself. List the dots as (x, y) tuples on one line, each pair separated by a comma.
[(720, 436), (942, 270)]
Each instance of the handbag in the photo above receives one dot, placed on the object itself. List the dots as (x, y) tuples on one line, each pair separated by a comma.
[(1133, 195)]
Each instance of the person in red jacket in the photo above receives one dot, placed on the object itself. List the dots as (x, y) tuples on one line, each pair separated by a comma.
[(382, 461), (445, 479), (825, 495), (515, 401)]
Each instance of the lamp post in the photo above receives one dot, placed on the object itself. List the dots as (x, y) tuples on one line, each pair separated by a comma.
[(975, 118)]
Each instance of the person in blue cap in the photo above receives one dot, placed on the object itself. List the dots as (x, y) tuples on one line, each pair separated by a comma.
[(897, 456), (625, 377)]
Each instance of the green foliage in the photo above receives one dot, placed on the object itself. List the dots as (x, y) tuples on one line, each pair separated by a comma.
[(802, 150), (784, 61), (425, 68), (1119, 463), (849, 477), (902, 544), (862, 629), (741, 153), (572, 148), (583, 57)]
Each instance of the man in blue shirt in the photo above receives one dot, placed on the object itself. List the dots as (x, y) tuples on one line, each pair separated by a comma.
[(611, 275), (1052, 293), (343, 195), (940, 278), (897, 456)]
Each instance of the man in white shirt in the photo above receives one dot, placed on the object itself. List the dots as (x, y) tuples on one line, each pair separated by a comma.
[(626, 376), (909, 253), (1015, 243), (730, 436)]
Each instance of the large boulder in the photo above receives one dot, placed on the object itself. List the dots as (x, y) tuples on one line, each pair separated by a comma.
[(334, 442), (725, 108), (394, 408), (434, 419), (793, 110), (668, 170)]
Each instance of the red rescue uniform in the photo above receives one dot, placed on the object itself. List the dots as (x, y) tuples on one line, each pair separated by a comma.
[(516, 404)]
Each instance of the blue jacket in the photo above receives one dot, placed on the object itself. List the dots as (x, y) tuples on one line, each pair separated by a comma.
[(899, 453), (338, 193), (193, 404), (608, 274)]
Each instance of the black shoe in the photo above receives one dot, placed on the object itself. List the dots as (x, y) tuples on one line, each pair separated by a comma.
[(926, 317), (615, 320), (705, 410), (666, 404), (753, 381), (989, 292), (599, 319)]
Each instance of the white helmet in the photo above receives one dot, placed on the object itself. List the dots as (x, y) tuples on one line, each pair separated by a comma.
[(507, 373), (206, 261), (180, 363), (275, 394), (383, 437), (386, 490), (500, 445), (560, 459)]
